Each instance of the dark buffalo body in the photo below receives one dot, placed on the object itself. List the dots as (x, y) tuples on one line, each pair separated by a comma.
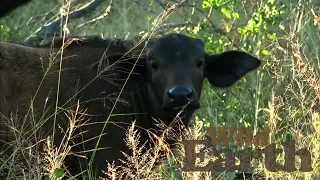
[(167, 77)]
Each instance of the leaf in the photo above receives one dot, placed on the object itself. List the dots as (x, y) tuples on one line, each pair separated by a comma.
[(226, 12), (59, 172), (265, 52)]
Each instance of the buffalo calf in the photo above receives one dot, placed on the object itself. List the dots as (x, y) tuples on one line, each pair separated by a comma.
[(167, 76)]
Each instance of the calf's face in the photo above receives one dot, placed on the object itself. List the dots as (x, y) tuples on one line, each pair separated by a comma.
[(176, 65)]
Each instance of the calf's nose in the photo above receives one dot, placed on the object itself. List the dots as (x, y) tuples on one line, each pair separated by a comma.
[(184, 93)]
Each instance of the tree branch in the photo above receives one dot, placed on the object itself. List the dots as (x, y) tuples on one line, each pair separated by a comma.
[(214, 28), (106, 13), (53, 29), (160, 18), (161, 29)]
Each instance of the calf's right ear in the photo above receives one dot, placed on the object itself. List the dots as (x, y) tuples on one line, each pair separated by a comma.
[(223, 70)]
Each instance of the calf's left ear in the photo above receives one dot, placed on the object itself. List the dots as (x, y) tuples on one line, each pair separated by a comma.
[(223, 70)]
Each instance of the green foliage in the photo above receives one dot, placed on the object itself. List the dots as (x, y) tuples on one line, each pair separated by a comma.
[(227, 7), (267, 16), (58, 173), (4, 30), (212, 3)]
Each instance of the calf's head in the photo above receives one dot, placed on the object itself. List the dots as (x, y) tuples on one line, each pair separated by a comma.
[(175, 66)]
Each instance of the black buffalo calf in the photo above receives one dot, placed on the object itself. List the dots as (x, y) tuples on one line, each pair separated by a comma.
[(167, 77)]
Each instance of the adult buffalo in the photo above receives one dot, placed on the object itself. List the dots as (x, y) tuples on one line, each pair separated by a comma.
[(167, 76)]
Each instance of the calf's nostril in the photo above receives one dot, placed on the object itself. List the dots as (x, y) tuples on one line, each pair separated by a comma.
[(180, 92), (190, 95), (170, 95)]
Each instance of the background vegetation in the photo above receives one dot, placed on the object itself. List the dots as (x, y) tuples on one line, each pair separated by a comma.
[(284, 94)]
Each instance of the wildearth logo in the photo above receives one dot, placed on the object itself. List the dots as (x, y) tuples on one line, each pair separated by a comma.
[(244, 136)]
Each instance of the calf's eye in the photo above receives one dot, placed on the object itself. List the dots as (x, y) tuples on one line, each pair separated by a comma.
[(200, 63), (154, 66)]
